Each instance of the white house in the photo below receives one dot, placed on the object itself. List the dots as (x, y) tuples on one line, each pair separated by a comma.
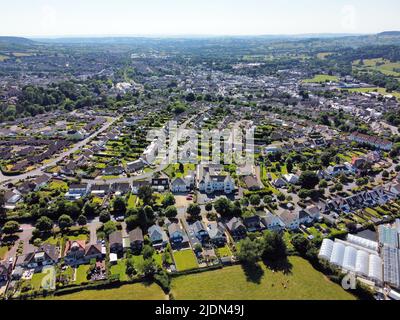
[(291, 178), (179, 185)]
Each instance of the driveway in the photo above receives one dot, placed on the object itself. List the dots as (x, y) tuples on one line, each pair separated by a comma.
[(24, 236), (93, 225)]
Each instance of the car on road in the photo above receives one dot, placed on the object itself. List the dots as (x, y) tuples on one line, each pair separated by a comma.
[(10, 261)]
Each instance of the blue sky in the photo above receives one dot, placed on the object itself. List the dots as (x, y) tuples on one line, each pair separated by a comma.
[(201, 17)]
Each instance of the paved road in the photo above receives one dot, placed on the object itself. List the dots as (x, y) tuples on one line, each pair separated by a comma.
[(77, 146), (24, 236)]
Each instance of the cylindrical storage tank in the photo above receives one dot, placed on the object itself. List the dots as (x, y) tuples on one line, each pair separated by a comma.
[(362, 263), (349, 258), (375, 268), (337, 254), (326, 249)]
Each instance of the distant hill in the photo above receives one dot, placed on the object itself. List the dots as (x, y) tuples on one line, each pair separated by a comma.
[(16, 41), (389, 34)]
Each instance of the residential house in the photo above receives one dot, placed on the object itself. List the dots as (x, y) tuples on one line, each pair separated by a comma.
[(236, 228), (78, 252), (216, 232), (210, 178), (158, 236), (77, 191), (177, 235), (179, 185), (47, 254), (279, 183), (291, 178), (115, 241), (200, 231), (113, 170), (252, 183), (372, 141), (136, 239), (160, 184), (121, 187), (11, 198), (100, 190), (135, 166), (253, 223), (272, 222), (290, 220)]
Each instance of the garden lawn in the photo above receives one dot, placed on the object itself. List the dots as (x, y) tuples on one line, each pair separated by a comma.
[(3, 252), (81, 273), (224, 251), (132, 201), (137, 291), (185, 260), (231, 283), (36, 280), (120, 268)]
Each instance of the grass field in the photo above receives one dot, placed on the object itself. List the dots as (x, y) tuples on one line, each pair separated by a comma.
[(380, 90), (382, 65), (233, 283), (137, 291), (321, 78), (185, 260)]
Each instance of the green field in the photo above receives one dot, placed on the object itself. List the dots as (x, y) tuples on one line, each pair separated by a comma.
[(233, 283), (382, 65), (380, 90), (321, 78), (137, 291), (185, 260)]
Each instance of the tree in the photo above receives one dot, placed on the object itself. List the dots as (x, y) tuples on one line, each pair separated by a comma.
[(223, 206), (10, 227), (300, 243), (132, 222), (273, 245), (146, 194), (119, 206), (2, 204), (194, 210), (104, 217), (82, 220), (65, 221), (249, 251), (149, 213), (385, 174), (169, 200), (209, 207), (308, 180), (148, 251), (255, 200), (90, 209), (109, 227), (171, 212), (44, 224)]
